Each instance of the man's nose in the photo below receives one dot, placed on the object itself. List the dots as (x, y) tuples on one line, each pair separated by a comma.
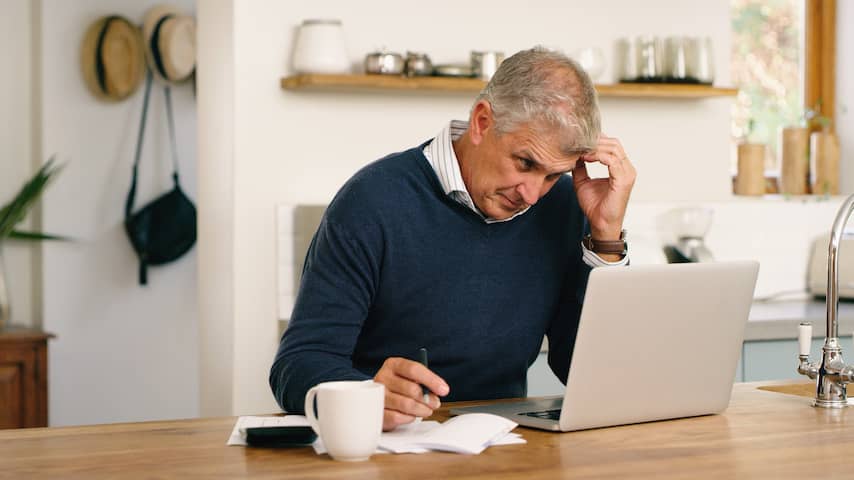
[(531, 190)]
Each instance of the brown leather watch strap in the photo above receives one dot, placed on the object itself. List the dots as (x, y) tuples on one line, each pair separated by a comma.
[(606, 247)]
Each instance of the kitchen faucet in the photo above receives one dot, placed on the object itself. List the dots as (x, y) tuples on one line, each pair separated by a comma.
[(832, 373)]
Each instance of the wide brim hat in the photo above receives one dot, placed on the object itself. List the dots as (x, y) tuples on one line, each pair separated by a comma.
[(169, 39), (111, 57)]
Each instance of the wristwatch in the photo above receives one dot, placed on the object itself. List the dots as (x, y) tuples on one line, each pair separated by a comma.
[(617, 247)]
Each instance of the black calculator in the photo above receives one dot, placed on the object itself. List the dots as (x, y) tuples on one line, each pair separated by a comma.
[(280, 436)]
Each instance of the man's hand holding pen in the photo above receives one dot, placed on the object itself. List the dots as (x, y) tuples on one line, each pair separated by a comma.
[(404, 398)]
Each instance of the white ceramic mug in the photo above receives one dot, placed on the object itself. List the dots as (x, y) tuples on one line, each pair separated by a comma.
[(349, 417)]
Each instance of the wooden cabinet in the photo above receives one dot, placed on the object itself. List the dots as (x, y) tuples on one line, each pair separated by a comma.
[(23, 378)]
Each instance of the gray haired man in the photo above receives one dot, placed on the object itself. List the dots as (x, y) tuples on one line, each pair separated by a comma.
[(473, 245)]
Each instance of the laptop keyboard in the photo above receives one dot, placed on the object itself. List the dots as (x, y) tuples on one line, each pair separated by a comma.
[(546, 414)]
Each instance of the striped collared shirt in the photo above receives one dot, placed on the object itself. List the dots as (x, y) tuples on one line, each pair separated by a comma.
[(440, 153)]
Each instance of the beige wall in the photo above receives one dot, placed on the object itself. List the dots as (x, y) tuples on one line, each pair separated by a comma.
[(17, 160), (218, 325), (123, 352)]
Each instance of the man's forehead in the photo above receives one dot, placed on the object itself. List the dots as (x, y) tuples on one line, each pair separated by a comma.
[(553, 140)]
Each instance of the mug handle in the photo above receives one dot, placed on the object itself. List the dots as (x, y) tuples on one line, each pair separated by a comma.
[(309, 409)]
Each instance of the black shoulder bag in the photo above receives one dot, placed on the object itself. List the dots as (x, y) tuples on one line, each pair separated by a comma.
[(165, 229)]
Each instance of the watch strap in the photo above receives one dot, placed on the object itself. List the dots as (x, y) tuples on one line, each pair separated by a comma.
[(606, 247)]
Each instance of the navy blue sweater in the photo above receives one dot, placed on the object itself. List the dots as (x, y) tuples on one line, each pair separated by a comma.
[(397, 265)]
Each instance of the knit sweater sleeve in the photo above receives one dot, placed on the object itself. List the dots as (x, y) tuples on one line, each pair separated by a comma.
[(563, 328), (339, 281)]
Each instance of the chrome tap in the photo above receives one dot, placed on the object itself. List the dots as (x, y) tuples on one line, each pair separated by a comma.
[(832, 374)]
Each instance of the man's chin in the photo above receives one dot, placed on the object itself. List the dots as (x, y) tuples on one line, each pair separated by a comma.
[(499, 209), (503, 213)]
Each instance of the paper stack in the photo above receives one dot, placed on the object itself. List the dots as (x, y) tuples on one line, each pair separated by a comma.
[(470, 434)]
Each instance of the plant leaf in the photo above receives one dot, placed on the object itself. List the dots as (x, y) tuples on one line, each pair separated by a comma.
[(16, 210), (20, 235)]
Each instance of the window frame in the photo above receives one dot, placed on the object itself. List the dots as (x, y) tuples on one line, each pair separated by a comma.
[(820, 58)]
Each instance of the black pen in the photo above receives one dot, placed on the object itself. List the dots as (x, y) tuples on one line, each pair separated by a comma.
[(422, 359)]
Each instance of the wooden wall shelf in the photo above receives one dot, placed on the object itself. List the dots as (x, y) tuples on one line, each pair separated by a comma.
[(319, 82)]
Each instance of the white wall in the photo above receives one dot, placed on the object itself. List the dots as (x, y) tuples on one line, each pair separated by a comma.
[(218, 324), (299, 147), (325, 132), (16, 158), (123, 352)]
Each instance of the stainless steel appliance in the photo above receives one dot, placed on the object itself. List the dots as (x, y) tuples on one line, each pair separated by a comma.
[(817, 272), (688, 226)]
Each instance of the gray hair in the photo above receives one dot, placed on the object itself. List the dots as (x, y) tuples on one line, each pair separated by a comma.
[(544, 86)]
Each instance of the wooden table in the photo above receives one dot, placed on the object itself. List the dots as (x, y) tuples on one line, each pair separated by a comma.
[(763, 434)]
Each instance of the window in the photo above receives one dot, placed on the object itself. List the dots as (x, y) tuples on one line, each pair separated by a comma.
[(767, 66), (783, 62)]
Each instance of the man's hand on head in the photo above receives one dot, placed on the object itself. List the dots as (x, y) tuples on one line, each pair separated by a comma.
[(404, 400), (604, 200)]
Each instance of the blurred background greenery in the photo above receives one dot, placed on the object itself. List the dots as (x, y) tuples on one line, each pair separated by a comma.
[(766, 66)]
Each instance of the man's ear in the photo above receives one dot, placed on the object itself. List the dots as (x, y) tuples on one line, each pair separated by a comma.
[(480, 122)]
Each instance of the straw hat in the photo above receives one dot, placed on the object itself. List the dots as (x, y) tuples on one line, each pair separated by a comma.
[(169, 38), (112, 58)]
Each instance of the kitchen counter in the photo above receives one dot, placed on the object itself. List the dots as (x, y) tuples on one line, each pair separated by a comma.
[(762, 434), (779, 319)]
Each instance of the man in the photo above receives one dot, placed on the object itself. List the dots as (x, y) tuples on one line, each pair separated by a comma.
[(471, 245)]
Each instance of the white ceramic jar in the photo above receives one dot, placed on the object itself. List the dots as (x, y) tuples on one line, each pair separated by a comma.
[(320, 47)]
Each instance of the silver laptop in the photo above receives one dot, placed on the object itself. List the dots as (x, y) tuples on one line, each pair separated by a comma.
[(654, 342)]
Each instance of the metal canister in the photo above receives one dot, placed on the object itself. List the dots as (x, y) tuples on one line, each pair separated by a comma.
[(418, 64), (485, 64)]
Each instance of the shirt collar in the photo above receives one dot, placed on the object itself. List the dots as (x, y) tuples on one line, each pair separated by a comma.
[(442, 157), (440, 153)]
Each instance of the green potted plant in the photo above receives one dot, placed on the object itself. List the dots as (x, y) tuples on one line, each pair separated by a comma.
[(11, 214)]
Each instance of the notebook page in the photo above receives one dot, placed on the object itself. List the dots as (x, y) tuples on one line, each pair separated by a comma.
[(405, 438), (470, 433)]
